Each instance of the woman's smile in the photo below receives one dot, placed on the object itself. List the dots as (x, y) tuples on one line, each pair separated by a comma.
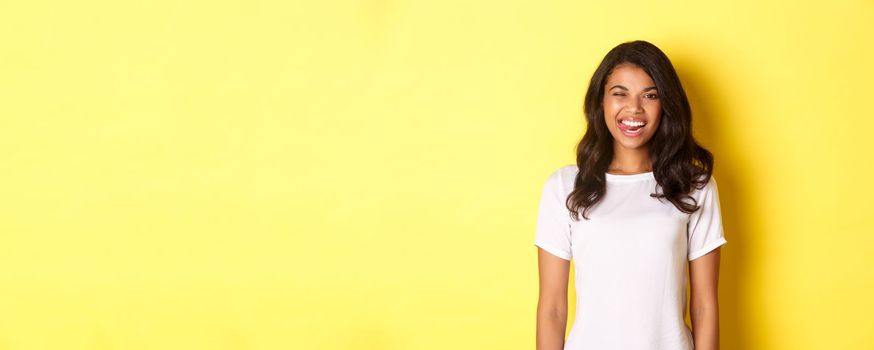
[(631, 127)]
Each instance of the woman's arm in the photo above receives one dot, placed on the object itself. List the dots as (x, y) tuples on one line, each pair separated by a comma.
[(704, 308), (552, 303)]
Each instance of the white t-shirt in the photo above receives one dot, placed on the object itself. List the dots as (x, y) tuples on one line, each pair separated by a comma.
[(630, 259)]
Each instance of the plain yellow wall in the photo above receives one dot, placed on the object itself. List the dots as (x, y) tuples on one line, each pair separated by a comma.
[(365, 174)]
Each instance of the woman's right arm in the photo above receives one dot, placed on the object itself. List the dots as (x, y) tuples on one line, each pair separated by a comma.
[(552, 302)]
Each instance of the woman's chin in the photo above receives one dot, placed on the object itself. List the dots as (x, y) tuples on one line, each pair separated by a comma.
[(632, 143)]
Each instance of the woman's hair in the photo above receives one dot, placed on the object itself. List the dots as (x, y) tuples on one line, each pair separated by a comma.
[(678, 162)]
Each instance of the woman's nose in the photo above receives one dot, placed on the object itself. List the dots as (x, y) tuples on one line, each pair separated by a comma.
[(634, 107)]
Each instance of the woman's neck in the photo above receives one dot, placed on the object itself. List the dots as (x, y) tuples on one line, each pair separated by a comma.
[(629, 161)]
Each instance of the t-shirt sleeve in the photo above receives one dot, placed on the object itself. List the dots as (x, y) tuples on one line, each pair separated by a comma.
[(705, 231), (552, 232)]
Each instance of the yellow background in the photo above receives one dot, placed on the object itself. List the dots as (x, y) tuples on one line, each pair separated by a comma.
[(365, 174)]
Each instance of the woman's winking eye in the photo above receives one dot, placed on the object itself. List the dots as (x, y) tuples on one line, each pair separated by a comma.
[(650, 96)]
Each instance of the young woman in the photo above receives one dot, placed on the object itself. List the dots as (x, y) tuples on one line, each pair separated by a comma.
[(639, 208)]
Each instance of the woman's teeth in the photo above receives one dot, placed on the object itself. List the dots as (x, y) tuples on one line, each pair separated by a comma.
[(631, 127), (632, 123)]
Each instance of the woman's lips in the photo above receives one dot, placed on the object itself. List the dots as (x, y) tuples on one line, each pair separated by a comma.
[(627, 130)]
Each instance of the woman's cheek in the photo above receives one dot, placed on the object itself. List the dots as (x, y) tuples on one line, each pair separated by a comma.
[(611, 108)]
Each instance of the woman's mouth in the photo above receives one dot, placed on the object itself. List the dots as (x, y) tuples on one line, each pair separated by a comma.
[(631, 127)]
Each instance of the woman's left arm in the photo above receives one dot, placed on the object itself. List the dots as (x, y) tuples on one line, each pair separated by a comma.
[(704, 306)]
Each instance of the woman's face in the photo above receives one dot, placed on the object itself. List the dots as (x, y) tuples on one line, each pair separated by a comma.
[(632, 108)]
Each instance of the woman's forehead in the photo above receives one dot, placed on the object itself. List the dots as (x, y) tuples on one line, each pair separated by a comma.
[(629, 74)]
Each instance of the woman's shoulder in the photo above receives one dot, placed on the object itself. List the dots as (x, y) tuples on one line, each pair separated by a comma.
[(568, 170), (708, 187), (562, 179)]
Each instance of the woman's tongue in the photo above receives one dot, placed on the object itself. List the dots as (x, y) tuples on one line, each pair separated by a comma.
[(629, 127)]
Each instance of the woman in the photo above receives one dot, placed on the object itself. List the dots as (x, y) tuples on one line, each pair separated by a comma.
[(639, 208)]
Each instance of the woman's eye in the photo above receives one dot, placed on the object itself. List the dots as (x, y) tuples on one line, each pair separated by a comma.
[(653, 96), (618, 94)]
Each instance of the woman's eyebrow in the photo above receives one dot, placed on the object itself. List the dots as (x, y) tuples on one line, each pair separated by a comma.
[(626, 89)]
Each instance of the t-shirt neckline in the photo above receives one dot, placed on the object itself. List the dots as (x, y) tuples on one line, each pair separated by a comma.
[(632, 177)]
